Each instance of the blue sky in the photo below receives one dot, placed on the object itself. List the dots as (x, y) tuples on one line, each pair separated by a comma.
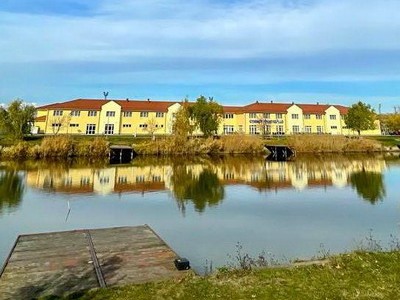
[(236, 51)]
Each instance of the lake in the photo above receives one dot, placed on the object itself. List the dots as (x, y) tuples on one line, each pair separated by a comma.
[(202, 207)]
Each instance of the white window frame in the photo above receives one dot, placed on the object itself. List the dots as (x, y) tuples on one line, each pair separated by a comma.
[(295, 129), (295, 116), (144, 114), (159, 115), (307, 116), (110, 114), (58, 113), (307, 129), (92, 113), (332, 117), (75, 113), (90, 129), (108, 129), (127, 114)]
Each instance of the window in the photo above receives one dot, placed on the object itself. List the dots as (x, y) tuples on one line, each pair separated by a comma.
[(228, 116), (332, 117), (90, 128), (279, 129), (92, 113), (320, 129), (318, 117), (85, 180), (253, 129), (333, 127), (75, 113), (144, 114), (127, 114), (126, 125), (307, 116), (240, 128), (143, 125), (228, 129), (73, 125), (122, 179), (296, 129), (109, 129), (110, 114), (295, 116), (252, 115), (57, 113), (160, 115), (279, 116), (267, 116), (56, 125), (307, 129)]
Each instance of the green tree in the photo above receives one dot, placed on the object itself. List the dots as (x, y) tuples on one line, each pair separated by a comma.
[(16, 119), (369, 185), (182, 126), (393, 122), (360, 117), (207, 115)]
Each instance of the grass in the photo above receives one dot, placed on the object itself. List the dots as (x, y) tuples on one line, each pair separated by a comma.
[(357, 275), (387, 140)]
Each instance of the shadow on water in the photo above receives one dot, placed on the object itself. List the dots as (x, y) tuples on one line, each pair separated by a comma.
[(369, 185), (11, 190)]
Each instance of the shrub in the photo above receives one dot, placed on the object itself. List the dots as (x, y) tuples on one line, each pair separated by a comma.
[(57, 146), (96, 148), (18, 151)]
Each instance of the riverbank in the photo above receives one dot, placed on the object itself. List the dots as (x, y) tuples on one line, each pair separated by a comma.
[(357, 275), (63, 146)]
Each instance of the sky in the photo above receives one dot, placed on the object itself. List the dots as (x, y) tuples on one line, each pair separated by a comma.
[(237, 51)]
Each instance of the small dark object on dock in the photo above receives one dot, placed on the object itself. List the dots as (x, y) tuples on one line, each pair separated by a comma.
[(280, 153), (182, 264)]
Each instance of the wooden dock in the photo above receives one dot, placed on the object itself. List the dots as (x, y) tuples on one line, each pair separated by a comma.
[(61, 263)]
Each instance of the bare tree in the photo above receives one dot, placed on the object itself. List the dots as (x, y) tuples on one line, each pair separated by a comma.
[(152, 127), (59, 122)]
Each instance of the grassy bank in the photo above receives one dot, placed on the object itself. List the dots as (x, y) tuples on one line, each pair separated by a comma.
[(358, 275), (91, 146)]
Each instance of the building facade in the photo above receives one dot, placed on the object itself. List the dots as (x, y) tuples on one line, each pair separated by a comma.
[(144, 117)]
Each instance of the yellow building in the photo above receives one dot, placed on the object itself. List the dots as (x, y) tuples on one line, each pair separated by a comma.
[(138, 117)]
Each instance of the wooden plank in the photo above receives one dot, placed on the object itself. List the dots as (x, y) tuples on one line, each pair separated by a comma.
[(60, 263)]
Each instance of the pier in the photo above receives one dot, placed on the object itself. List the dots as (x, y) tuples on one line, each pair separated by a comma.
[(61, 263)]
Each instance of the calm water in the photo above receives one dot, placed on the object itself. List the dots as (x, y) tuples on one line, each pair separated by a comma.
[(202, 207)]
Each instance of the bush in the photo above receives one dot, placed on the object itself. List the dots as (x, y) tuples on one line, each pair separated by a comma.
[(57, 146), (18, 151), (96, 148)]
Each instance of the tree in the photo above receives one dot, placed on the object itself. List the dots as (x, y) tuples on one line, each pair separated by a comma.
[(16, 119), (393, 122), (182, 126), (152, 127), (360, 117), (59, 122), (207, 115)]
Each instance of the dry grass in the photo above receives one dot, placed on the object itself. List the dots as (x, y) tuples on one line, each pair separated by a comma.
[(331, 143), (99, 147), (57, 146), (178, 146)]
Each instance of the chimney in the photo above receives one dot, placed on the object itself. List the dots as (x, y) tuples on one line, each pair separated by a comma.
[(317, 103), (257, 101), (127, 99), (292, 102), (272, 101), (148, 99)]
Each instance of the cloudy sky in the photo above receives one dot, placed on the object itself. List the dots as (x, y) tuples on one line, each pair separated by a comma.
[(237, 51)]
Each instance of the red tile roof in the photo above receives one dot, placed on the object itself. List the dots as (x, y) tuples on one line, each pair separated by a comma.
[(40, 119), (232, 109), (343, 109), (126, 105), (266, 107), (313, 108)]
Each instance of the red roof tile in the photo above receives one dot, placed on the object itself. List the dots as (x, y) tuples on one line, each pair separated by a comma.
[(40, 119), (126, 105), (342, 109), (232, 109), (313, 108), (267, 107)]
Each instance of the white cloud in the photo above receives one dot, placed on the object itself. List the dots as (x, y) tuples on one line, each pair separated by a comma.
[(122, 29)]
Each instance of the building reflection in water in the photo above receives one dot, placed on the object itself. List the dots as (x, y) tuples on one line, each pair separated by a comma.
[(202, 181)]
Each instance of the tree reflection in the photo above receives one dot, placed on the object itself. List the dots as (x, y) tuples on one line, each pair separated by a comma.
[(369, 185), (11, 190), (204, 189)]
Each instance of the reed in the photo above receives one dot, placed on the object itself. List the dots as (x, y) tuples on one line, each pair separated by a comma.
[(97, 148), (57, 146), (331, 143)]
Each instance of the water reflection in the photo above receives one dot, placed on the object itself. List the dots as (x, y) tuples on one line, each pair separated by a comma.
[(202, 189), (202, 180), (369, 185), (11, 190)]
